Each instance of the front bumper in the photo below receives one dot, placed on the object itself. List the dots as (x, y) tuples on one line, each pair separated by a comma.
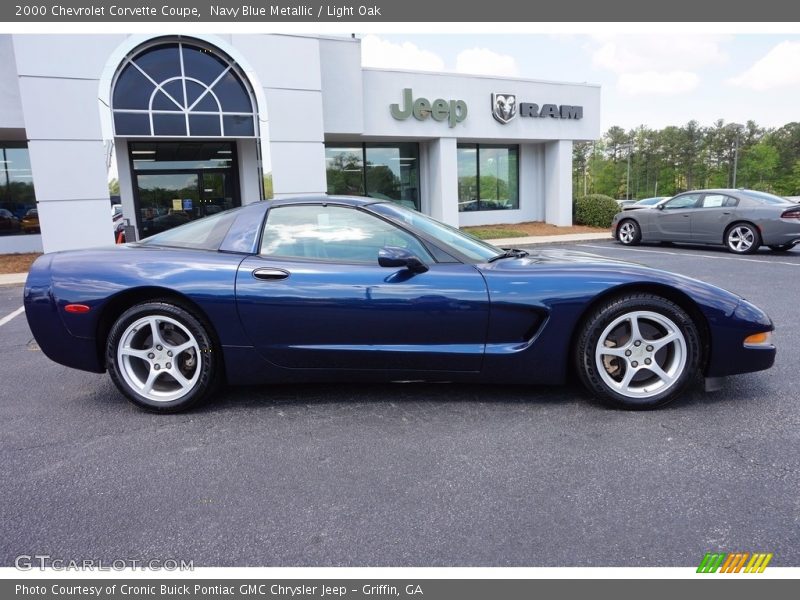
[(728, 354)]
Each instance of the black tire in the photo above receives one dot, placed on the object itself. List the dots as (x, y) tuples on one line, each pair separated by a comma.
[(199, 365), (657, 317), (781, 247), (629, 233), (742, 238)]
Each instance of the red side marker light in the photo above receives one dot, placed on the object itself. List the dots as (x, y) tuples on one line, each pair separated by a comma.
[(76, 308)]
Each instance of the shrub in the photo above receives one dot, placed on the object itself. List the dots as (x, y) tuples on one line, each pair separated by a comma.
[(595, 210)]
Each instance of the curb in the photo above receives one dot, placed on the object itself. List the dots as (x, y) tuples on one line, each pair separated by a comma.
[(13, 279), (550, 239)]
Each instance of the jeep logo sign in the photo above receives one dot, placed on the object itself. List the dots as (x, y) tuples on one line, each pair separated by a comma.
[(452, 111), (504, 109)]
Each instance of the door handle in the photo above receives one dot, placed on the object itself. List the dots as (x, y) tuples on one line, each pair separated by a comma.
[(270, 274), (726, 213)]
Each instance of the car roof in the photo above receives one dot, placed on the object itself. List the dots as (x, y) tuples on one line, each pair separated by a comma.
[(317, 198), (721, 191)]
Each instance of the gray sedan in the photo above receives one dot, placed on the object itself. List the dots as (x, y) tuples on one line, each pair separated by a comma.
[(742, 220)]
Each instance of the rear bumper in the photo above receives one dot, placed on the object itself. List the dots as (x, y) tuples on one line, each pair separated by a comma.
[(780, 232), (48, 329)]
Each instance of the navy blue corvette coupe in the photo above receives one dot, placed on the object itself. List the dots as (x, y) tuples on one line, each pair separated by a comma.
[(326, 288)]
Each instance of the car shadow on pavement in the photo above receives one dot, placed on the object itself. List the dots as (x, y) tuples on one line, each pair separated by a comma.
[(570, 396), (721, 250)]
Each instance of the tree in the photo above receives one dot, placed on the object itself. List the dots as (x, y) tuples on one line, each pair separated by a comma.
[(757, 166), (675, 159)]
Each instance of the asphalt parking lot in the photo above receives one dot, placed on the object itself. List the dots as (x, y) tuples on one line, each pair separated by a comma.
[(411, 475)]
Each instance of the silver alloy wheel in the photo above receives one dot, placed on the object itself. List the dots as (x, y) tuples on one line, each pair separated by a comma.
[(159, 358), (641, 354), (627, 232), (741, 238)]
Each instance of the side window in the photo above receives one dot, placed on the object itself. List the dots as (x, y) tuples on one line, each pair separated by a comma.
[(685, 201), (332, 234), (731, 202), (714, 200)]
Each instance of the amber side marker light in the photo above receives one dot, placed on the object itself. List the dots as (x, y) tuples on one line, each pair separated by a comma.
[(76, 308), (758, 339)]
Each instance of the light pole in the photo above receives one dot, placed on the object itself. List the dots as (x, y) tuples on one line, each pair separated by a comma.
[(737, 128), (629, 148)]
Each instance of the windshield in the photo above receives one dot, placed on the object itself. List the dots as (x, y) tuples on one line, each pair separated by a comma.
[(767, 198), (471, 247)]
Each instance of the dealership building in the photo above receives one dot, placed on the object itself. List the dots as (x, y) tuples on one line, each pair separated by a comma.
[(190, 125)]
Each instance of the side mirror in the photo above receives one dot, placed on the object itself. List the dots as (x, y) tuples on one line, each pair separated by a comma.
[(391, 256), (660, 206)]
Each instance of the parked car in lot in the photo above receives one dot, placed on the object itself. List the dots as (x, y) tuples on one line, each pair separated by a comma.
[(30, 222), (645, 203), (742, 220), (326, 288), (624, 202), (8, 222)]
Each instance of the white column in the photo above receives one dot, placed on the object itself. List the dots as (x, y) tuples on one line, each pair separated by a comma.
[(558, 182), (250, 183), (58, 78), (442, 179)]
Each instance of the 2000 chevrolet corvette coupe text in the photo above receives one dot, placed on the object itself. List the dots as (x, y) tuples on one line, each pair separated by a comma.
[(330, 288)]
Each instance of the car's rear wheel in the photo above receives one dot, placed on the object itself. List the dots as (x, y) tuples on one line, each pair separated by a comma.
[(162, 357), (781, 247), (742, 238), (638, 351), (629, 233)]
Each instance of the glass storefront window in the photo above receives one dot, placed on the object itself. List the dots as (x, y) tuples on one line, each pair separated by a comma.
[(393, 173), (381, 171), (344, 168), (488, 177), (18, 213)]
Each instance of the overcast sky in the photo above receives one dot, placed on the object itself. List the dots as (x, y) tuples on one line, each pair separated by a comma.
[(655, 80)]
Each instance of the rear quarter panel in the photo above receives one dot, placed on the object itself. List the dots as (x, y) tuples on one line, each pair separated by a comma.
[(100, 279)]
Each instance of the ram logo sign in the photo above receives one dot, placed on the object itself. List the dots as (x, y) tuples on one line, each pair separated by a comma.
[(734, 562), (504, 107)]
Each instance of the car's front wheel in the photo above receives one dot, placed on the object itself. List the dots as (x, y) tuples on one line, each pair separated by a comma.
[(743, 238), (162, 357), (638, 351), (629, 233)]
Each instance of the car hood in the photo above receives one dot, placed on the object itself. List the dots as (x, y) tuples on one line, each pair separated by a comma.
[(590, 274), (557, 256)]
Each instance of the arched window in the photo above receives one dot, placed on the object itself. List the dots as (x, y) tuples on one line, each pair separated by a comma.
[(181, 89)]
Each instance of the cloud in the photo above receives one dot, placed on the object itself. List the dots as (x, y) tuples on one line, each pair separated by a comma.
[(482, 61), (667, 83), (383, 54), (776, 69), (637, 53), (662, 65)]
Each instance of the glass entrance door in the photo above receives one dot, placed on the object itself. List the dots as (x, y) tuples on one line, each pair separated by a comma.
[(178, 182), (166, 200)]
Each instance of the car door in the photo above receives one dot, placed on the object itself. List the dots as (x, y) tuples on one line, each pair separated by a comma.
[(711, 217), (316, 296), (673, 221)]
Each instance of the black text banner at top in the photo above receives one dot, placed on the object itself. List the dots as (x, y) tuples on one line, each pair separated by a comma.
[(227, 11)]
